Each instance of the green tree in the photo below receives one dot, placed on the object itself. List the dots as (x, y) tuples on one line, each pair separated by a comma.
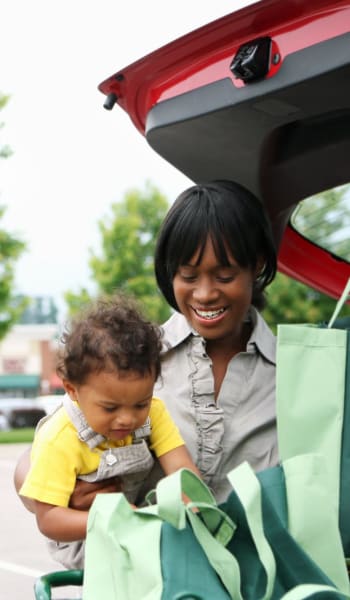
[(125, 261), (77, 300), (289, 301), (11, 247)]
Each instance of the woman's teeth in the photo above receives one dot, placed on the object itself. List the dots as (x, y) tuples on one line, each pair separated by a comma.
[(209, 314)]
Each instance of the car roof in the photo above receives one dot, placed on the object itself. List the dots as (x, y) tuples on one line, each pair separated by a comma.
[(284, 135)]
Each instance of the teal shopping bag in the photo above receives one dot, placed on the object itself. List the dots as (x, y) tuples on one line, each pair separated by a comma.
[(263, 506), (267, 561), (124, 548), (242, 550), (312, 401), (344, 487), (122, 551)]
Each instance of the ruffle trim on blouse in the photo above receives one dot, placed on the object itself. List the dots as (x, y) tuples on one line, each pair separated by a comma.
[(209, 418)]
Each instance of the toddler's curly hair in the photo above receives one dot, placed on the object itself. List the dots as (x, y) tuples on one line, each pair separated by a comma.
[(109, 335)]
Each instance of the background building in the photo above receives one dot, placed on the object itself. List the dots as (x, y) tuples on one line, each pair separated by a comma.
[(28, 353)]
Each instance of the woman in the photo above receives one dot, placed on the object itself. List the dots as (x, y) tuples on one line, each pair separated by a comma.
[(214, 258)]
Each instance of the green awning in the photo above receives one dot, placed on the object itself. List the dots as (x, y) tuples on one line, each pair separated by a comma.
[(19, 381)]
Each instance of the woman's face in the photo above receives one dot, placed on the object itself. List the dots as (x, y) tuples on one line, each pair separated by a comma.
[(214, 298)]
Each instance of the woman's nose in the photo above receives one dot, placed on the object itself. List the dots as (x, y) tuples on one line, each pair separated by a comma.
[(205, 291)]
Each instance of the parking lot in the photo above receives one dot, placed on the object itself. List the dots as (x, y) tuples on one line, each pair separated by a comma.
[(23, 554)]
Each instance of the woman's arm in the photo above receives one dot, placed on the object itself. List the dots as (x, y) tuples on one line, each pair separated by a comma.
[(61, 523)]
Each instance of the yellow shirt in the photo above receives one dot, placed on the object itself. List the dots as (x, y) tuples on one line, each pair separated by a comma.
[(58, 456)]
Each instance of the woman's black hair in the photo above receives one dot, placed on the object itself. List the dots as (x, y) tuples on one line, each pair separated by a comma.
[(236, 222)]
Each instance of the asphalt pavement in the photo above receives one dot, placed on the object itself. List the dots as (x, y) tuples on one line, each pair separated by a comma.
[(23, 553)]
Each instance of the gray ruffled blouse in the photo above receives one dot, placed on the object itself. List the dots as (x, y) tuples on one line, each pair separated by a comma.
[(241, 424)]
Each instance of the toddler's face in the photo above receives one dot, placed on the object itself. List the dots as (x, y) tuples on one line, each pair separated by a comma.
[(114, 405)]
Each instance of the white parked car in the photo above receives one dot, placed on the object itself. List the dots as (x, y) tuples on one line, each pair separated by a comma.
[(49, 403), (4, 423), (20, 412)]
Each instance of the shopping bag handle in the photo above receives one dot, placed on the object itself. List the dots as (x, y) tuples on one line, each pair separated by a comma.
[(222, 561), (211, 526), (247, 487), (343, 298), (172, 508)]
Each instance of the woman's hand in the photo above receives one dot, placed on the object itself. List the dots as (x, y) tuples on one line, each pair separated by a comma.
[(84, 492)]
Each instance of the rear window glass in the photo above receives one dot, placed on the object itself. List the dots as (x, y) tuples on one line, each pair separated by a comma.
[(324, 219)]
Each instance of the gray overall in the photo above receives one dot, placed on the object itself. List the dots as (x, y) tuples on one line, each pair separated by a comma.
[(131, 463)]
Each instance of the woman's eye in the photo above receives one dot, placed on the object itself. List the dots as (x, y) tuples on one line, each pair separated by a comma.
[(187, 276), (225, 278)]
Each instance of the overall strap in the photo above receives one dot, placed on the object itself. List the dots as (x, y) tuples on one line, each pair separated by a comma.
[(142, 432), (85, 432)]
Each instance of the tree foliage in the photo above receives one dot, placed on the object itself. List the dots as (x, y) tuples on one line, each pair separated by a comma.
[(289, 301), (125, 260), (11, 248)]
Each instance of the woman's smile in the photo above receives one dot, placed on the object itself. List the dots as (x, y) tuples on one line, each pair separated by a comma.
[(209, 315)]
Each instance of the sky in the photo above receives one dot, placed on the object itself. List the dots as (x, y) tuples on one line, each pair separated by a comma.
[(71, 158)]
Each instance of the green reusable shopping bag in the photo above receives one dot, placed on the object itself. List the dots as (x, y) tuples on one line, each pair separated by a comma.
[(344, 489), (264, 504), (312, 401), (269, 562), (169, 552), (123, 546)]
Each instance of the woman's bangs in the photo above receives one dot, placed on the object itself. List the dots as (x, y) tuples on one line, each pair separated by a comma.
[(228, 242), (222, 248), (189, 240)]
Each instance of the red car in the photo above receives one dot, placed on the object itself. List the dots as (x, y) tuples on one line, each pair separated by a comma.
[(260, 96)]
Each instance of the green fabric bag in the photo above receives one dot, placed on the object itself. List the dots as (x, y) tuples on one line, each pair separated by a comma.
[(122, 558), (312, 402), (123, 546), (344, 493), (271, 501), (168, 552)]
